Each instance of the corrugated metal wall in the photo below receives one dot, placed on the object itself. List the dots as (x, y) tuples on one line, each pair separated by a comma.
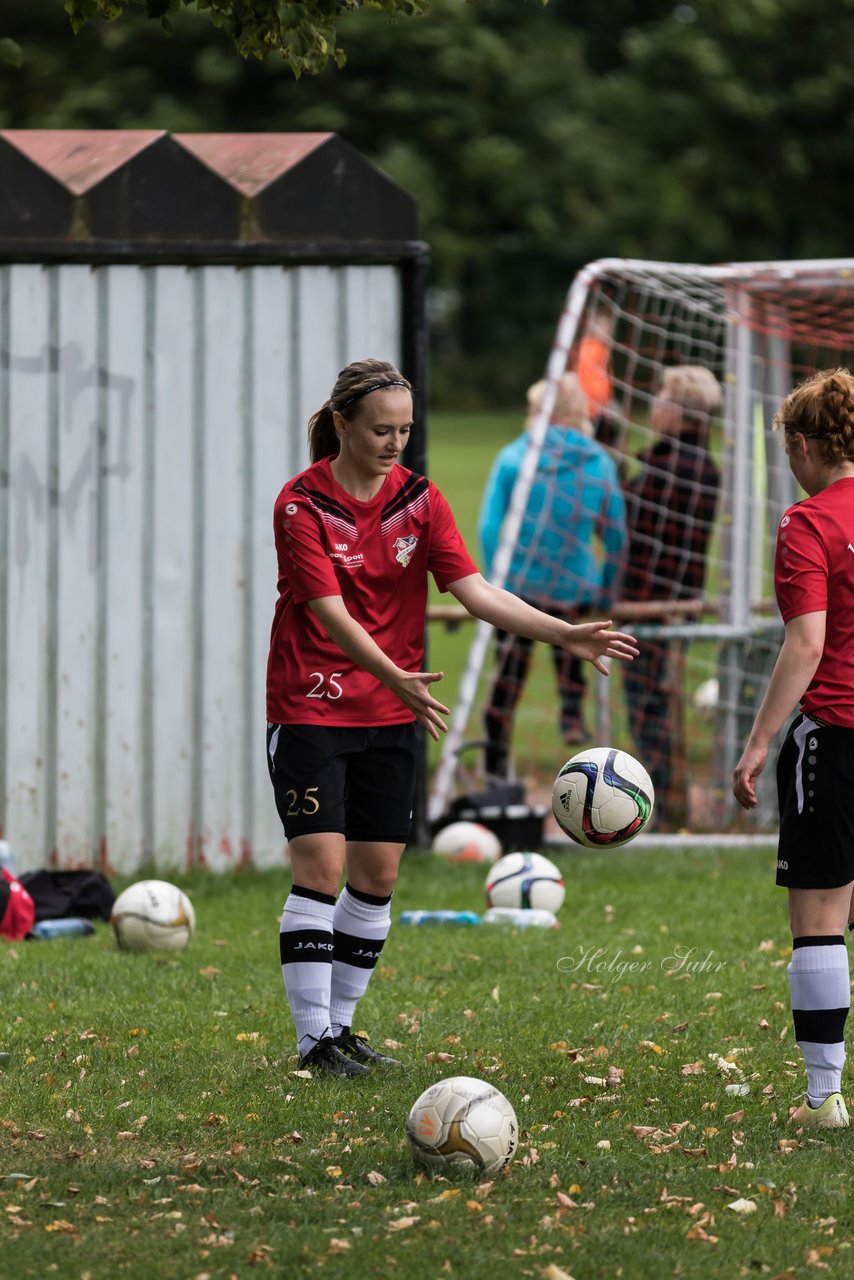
[(149, 415)]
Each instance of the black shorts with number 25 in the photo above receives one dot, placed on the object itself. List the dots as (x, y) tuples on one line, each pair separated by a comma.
[(353, 780), (815, 790)]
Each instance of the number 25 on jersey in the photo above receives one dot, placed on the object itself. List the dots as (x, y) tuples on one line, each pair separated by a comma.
[(325, 686)]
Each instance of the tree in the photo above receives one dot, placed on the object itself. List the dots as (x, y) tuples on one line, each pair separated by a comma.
[(303, 31), (533, 138)]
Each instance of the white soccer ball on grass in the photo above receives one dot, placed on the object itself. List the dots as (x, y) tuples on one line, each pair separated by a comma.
[(525, 880), (467, 842), (462, 1123), (153, 915)]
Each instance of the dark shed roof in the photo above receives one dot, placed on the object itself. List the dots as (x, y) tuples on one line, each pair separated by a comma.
[(61, 189)]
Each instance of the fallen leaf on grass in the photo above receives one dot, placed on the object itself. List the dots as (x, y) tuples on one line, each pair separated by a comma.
[(401, 1224), (697, 1233), (692, 1069), (439, 1057), (375, 1178), (742, 1206), (447, 1194), (337, 1245)]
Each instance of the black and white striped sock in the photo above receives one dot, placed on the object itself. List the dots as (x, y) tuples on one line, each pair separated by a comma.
[(305, 949), (361, 922), (820, 987)]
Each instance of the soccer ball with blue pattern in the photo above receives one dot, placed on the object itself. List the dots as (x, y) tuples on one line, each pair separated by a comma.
[(525, 881), (602, 798)]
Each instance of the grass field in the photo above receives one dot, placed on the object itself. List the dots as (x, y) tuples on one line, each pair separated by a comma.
[(153, 1126)]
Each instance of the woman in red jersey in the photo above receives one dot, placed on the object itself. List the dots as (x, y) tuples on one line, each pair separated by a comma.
[(356, 536), (814, 584)]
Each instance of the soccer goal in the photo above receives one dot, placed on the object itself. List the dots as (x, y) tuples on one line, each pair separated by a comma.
[(759, 328)]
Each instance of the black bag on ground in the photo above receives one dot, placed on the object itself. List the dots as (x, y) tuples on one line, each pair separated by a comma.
[(57, 894)]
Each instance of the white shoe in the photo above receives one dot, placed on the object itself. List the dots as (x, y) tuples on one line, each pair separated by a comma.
[(832, 1114)]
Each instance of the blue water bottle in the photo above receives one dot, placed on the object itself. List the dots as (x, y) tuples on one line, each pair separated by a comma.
[(65, 927), (7, 857), (439, 917)]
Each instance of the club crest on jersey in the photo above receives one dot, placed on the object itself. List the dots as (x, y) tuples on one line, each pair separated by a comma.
[(404, 547)]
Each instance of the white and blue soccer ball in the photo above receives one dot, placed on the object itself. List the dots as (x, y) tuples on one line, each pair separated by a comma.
[(602, 798), (462, 1123), (153, 915), (526, 880)]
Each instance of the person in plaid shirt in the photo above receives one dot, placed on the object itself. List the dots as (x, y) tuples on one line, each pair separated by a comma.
[(670, 510)]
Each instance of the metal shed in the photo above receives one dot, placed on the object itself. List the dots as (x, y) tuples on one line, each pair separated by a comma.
[(172, 309)]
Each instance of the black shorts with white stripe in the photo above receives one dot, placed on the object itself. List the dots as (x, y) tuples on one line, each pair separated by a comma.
[(815, 791)]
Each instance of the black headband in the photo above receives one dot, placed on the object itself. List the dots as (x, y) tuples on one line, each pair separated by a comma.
[(377, 386)]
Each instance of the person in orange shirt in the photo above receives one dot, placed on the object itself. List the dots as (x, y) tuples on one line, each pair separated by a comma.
[(593, 367)]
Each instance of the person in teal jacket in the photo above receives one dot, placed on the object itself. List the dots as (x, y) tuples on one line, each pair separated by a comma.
[(567, 560)]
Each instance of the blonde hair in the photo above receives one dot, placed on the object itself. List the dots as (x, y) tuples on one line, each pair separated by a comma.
[(357, 380), (822, 409), (694, 388), (570, 406)]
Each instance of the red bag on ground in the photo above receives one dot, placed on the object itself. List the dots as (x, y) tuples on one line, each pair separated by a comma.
[(17, 909)]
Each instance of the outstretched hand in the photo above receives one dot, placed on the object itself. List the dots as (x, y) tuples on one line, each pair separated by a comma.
[(595, 641), (412, 687)]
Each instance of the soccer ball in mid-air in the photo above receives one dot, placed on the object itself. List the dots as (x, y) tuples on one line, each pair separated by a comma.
[(602, 797), (467, 842), (153, 915), (525, 880), (464, 1123)]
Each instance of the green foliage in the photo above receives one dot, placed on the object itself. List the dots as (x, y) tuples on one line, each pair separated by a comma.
[(152, 1124), (533, 138), (304, 32)]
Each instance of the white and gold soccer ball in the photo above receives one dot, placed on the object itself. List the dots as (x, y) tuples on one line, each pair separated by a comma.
[(462, 1123), (526, 880), (602, 798), (153, 915)]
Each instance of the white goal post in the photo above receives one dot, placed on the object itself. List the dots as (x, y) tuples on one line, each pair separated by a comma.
[(759, 327)]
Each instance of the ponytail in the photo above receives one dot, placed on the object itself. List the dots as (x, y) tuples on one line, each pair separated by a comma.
[(322, 436)]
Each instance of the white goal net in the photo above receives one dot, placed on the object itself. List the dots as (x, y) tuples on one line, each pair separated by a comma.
[(701, 501)]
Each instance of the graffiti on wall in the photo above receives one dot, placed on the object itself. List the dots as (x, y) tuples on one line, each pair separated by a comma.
[(94, 406)]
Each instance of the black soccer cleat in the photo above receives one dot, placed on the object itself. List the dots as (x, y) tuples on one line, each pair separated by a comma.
[(326, 1059), (358, 1050)]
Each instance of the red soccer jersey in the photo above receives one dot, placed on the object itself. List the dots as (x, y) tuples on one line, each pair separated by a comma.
[(814, 571), (376, 555)]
